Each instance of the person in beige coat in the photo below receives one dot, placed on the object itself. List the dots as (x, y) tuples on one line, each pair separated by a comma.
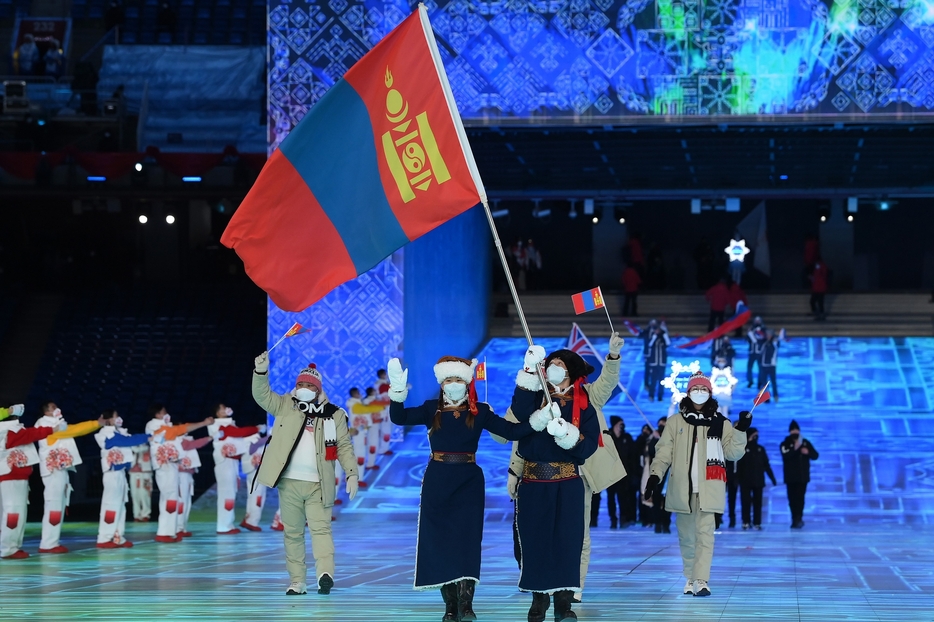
[(695, 445), (309, 436), (601, 470)]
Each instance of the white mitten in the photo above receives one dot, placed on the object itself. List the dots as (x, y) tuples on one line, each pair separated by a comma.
[(352, 487), (616, 344), (261, 363), (542, 417), (558, 427), (533, 357), (398, 379), (17, 410)]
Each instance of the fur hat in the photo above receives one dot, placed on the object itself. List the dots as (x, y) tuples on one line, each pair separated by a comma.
[(454, 367), (577, 367), (311, 375), (793, 426), (698, 379)]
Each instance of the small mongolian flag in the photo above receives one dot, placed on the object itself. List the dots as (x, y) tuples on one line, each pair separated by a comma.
[(480, 371), (297, 329), (588, 301)]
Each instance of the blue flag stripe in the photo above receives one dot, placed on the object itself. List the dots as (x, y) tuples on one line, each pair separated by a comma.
[(333, 150)]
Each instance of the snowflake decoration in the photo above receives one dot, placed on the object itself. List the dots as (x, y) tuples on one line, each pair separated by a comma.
[(737, 250), (675, 383), (722, 381)]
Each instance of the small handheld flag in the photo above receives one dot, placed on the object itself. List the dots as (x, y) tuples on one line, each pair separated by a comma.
[(763, 396), (590, 300), (480, 371), (297, 329)]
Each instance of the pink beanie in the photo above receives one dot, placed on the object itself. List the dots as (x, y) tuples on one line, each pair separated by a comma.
[(311, 375), (699, 380)]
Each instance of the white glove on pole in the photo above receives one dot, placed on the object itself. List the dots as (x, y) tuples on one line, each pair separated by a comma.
[(351, 486), (616, 344), (558, 428), (533, 358), (261, 363)]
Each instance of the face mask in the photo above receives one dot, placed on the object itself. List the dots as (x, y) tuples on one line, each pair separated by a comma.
[(556, 375), (166, 418), (699, 397), (305, 395), (455, 391), (118, 422), (57, 413), (228, 411)]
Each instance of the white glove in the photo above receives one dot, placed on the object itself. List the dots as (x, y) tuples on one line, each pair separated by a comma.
[(512, 486), (17, 410), (62, 425), (558, 428), (262, 428), (616, 344), (533, 357), (261, 363), (540, 419), (352, 486), (398, 377)]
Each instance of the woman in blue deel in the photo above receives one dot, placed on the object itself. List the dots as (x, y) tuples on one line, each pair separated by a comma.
[(450, 518)]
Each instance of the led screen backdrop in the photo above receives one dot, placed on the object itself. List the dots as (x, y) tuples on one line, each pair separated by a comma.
[(596, 60)]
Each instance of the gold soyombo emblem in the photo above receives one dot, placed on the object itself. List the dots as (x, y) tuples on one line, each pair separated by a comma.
[(411, 152)]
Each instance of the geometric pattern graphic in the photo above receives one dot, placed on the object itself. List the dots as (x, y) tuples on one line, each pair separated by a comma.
[(595, 60), (355, 329)]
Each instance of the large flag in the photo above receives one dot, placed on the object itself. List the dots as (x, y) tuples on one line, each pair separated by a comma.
[(380, 160), (578, 342), (738, 320)]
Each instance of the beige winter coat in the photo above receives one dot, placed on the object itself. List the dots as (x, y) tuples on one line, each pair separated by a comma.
[(674, 450), (286, 431), (604, 468)]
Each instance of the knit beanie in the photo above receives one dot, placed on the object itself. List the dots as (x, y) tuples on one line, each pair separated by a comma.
[(699, 380), (793, 426), (311, 375)]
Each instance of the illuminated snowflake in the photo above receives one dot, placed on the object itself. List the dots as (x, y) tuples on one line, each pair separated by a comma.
[(737, 250), (722, 381), (675, 382)]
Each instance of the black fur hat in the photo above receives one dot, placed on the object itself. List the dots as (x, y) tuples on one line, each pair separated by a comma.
[(577, 367)]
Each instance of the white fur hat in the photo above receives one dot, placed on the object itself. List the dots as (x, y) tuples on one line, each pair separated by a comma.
[(455, 367)]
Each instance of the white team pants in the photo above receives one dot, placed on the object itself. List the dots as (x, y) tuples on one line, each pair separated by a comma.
[(56, 494), (385, 433), (227, 474), (255, 503), (167, 481), (113, 508), (186, 492), (141, 492), (15, 496), (365, 444)]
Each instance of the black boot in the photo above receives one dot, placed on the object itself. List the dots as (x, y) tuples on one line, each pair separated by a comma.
[(449, 594), (465, 589), (563, 600), (539, 607)]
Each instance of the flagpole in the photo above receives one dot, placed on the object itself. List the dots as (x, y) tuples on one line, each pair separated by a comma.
[(639, 410), (486, 382), (512, 290), (281, 339), (612, 330)]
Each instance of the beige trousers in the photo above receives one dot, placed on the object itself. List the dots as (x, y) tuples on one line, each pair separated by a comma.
[(299, 502), (585, 551), (695, 535)]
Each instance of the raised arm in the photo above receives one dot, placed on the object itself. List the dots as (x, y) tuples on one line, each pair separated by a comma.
[(119, 440), (413, 415), (734, 441), (26, 436), (232, 431), (75, 430), (602, 388)]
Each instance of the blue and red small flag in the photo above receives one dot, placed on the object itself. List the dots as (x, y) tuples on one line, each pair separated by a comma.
[(587, 301), (381, 159)]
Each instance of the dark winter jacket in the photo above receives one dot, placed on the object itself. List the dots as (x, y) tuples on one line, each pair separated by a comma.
[(797, 465), (625, 447), (754, 466), (658, 349)]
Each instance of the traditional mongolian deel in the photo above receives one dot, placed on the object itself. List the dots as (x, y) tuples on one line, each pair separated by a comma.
[(450, 518), (380, 160)]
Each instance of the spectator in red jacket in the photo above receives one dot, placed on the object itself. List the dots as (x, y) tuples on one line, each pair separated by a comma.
[(631, 283), (17, 455), (819, 278), (719, 298)]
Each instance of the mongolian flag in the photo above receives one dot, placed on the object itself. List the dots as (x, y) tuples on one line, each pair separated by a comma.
[(297, 329), (587, 301), (480, 371), (380, 160), (580, 344)]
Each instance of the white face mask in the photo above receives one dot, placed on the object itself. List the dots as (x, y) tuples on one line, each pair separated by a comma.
[(57, 413), (167, 418), (699, 397), (455, 391), (556, 374), (228, 411), (305, 395), (118, 422)]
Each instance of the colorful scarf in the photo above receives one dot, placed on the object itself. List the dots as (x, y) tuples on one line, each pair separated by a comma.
[(712, 420)]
